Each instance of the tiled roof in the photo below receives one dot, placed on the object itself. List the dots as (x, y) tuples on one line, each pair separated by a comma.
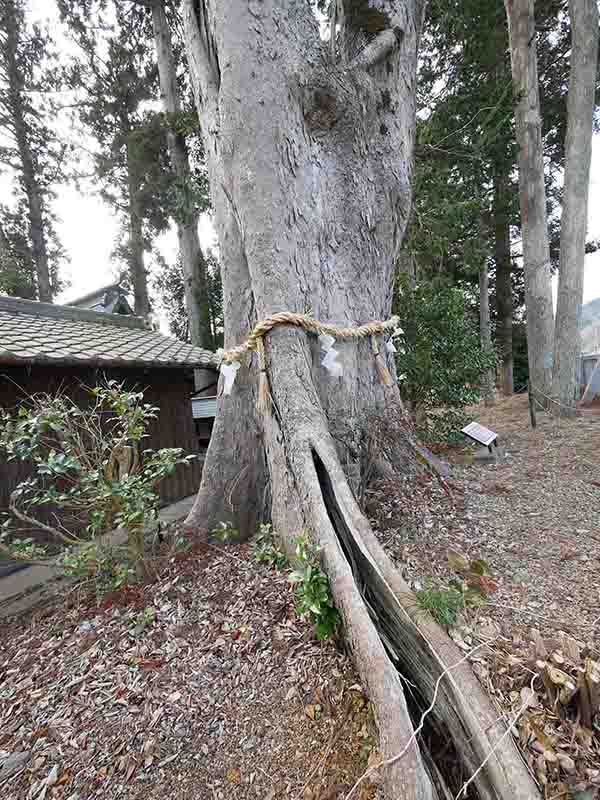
[(41, 333)]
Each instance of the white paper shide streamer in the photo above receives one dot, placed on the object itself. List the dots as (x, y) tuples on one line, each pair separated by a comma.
[(229, 371), (330, 357)]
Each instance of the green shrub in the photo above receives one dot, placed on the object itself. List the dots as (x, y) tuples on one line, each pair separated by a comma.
[(439, 358), (266, 550), (87, 462), (311, 587)]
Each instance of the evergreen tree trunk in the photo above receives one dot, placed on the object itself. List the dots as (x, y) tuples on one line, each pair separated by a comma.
[(578, 155), (504, 296), (485, 332), (136, 247), (194, 264), (27, 161), (309, 163), (532, 195)]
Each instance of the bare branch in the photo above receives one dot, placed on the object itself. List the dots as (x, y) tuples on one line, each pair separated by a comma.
[(36, 523)]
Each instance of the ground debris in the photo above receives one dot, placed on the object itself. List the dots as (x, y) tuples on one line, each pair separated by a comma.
[(534, 519), (197, 684)]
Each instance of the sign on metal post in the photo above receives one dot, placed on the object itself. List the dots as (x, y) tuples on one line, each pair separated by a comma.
[(481, 435)]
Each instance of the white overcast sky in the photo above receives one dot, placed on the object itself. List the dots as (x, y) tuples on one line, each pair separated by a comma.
[(88, 227)]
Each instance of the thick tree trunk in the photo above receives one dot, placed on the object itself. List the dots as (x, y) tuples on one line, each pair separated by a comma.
[(485, 333), (532, 194), (194, 264), (136, 247), (502, 257), (578, 155), (309, 165), (29, 175)]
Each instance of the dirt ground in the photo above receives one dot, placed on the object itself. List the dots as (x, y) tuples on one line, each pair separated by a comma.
[(533, 516), (204, 685)]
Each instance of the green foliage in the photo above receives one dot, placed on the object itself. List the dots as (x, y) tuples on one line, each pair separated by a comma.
[(108, 567), (32, 155), (89, 462), (225, 532), (444, 605), (25, 549), (520, 358), (470, 589), (311, 587), (439, 357), (169, 285), (266, 550)]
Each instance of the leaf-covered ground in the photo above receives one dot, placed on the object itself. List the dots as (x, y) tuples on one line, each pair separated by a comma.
[(533, 519), (202, 685)]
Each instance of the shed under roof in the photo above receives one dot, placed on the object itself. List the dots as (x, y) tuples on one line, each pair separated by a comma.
[(43, 333)]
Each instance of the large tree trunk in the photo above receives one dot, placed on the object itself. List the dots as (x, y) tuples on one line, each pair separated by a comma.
[(136, 247), (309, 165), (29, 175), (578, 156), (485, 333), (532, 194), (502, 257), (194, 265)]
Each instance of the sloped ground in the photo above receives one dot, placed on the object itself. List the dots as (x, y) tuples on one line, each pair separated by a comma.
[(534, 517), (202, 685)]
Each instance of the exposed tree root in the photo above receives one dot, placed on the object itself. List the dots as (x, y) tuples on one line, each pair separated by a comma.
[(402, 641)]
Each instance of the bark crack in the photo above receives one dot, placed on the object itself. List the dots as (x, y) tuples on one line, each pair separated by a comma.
[(384, 610)]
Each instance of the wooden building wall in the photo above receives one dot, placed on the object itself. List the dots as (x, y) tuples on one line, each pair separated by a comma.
[(169, 389)]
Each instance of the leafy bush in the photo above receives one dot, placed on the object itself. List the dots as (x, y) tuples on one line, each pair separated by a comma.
[(266, 549), (311, 587), (88, 463), (439, 358)]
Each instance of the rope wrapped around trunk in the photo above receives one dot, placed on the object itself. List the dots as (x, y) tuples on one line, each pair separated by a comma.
[(255, 343)]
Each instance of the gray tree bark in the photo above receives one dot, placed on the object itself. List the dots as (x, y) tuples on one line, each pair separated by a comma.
[(502, 257), (29, 174), (532, 194), (578, 155), (309, 160), (194, 264), (136, 246), (485, 333)]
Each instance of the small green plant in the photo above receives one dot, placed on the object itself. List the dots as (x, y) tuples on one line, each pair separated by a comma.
[(107, 566), (471, 588), (474, 581), (311, 587), (225, 532), (144, 619), (444, 605), (266, 550), (25, 549)]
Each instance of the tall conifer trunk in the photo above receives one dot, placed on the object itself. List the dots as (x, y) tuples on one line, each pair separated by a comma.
[(578, 157), (532, 194)]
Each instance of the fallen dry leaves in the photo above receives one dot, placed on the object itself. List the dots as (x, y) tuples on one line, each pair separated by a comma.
[(535, 519), (197, 686)]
